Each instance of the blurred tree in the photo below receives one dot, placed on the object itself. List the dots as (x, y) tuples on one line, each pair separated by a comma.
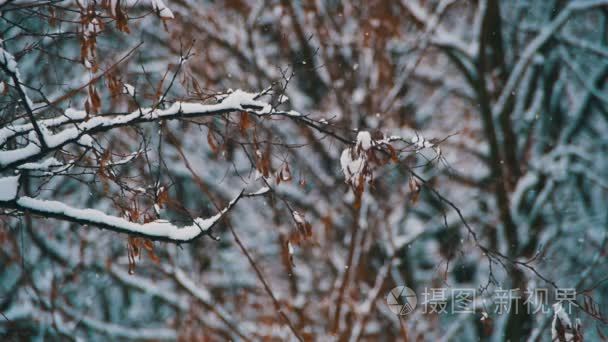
[(433, 144)]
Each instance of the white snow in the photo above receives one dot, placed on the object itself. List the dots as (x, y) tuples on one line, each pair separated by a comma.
[(70, 114), (44, 165), (147, 286), (294, 113), (561, 315), (162, 9), (364, 140), (113, 4), (298, 217), (261, 191), (11, 156), (238, 100), (86, 140), (413, 232), (159, 228), (92, 28), (420, 142), (129, 89), (186, 282), (359, 95), (120, 332), (350, 167), (8, 188), (9, 62), (526, 182)]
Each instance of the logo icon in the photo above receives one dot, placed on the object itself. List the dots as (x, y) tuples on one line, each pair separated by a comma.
[(402, 300)]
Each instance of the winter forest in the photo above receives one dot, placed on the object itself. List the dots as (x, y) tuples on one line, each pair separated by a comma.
[(310, 170)]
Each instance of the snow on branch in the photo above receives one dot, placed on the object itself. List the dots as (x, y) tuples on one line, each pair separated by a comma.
[(162, 9), (528, 53), (159, 230), (562, 328), (354, 160), (9, 66), (118, 331), (9, 187), (238, 100), (205, 297), (440, 36), (11, 130)]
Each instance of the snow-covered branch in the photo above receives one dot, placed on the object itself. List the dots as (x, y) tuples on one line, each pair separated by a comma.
[(159, 230), (81, 127), (547, 32)]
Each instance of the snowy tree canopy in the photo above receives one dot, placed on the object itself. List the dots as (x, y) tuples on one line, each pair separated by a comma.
[(270, 170)]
